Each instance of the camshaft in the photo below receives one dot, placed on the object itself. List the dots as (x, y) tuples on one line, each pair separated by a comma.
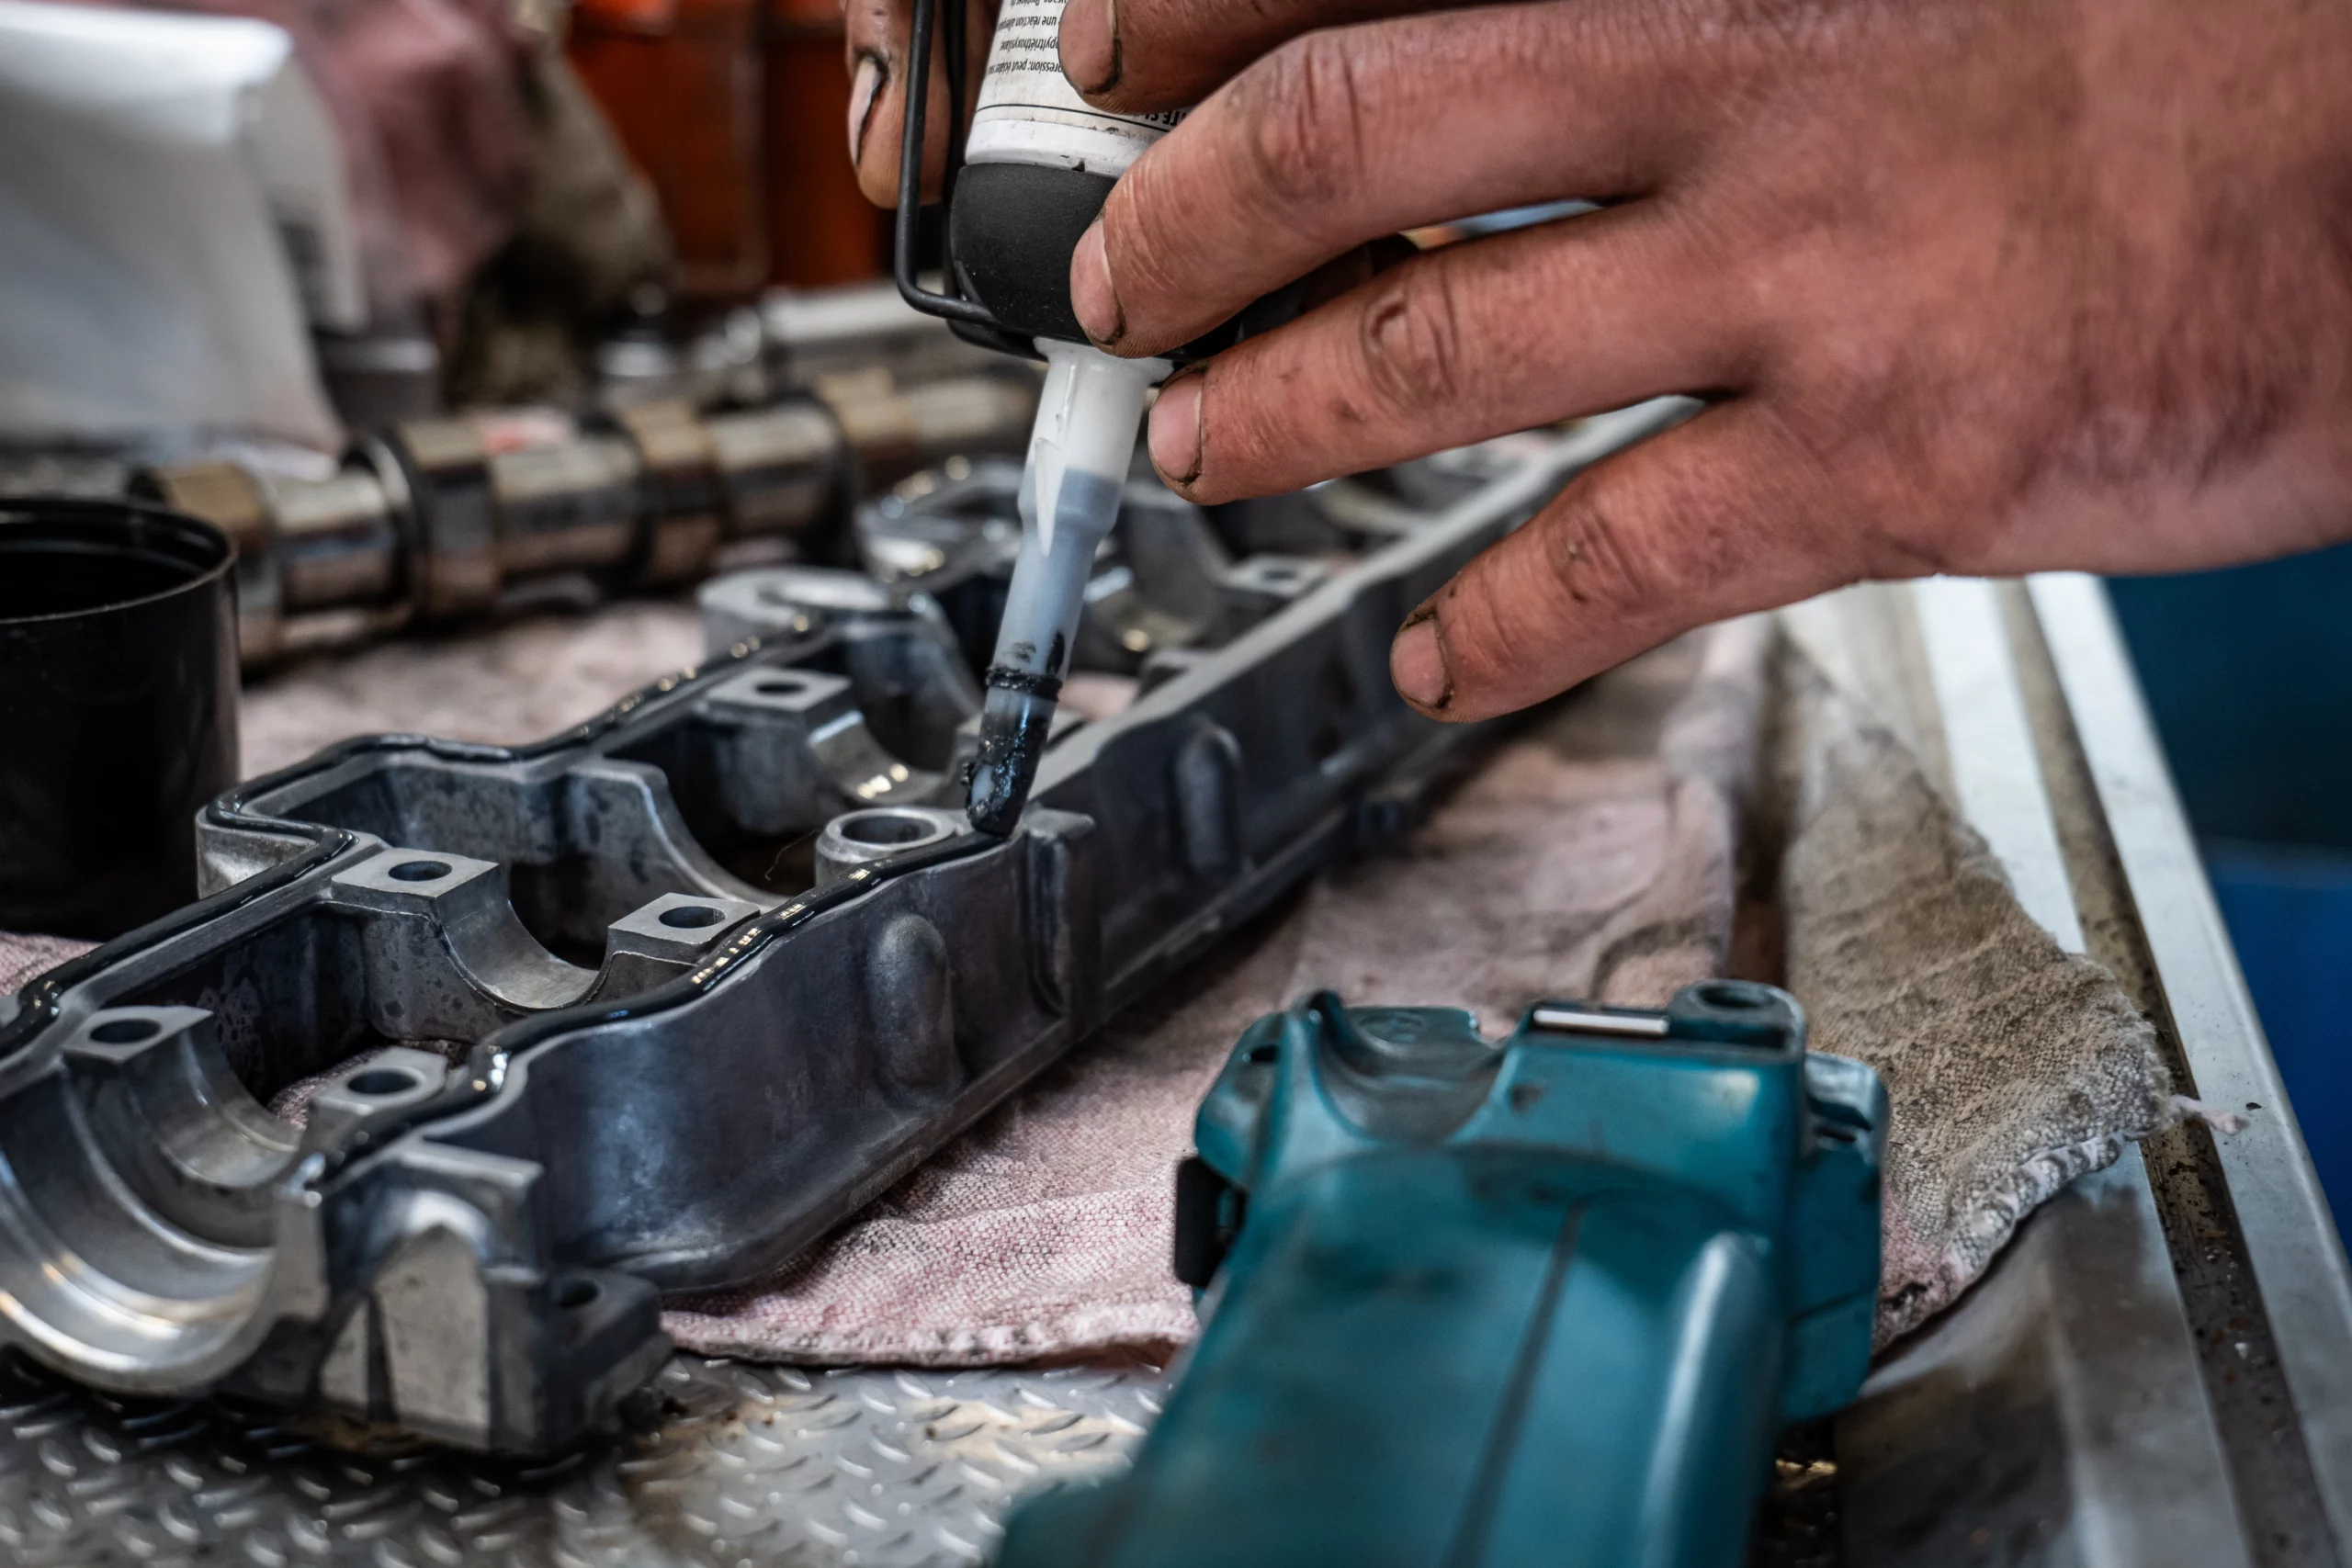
[(431, 520)]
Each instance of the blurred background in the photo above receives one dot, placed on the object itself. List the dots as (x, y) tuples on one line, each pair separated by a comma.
[(449, 311), (477, 201)]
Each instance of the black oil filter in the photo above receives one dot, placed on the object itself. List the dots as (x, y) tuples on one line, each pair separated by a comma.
[(117, 709)]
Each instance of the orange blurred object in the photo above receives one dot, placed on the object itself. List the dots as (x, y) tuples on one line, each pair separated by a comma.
[(821, 229), (735, 111), (680, 82)]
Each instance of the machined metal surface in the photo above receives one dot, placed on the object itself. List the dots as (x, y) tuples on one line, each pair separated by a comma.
[(469, 1237), (433, 519), (1165, 588)]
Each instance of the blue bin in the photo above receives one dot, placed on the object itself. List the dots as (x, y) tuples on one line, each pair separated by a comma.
[(2249, 674)]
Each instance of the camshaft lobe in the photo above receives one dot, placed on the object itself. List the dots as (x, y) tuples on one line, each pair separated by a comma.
[(435, 519)]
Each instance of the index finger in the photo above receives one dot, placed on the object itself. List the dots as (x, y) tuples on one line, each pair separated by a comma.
[(1146, 56), (1347, 133)]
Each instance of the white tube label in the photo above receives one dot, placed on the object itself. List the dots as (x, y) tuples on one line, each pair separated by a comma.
[(1028, 112)]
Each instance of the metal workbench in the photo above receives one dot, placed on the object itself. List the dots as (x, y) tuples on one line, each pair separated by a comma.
[(2159, 1369)]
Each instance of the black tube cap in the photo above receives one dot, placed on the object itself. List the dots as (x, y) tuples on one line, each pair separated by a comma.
[(1011, 229)]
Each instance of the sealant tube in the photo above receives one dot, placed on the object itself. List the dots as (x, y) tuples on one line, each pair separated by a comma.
[(1078, 453), (1040, 162)]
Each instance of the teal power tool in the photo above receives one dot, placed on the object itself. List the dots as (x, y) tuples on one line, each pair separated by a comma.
[(1473, 1304)]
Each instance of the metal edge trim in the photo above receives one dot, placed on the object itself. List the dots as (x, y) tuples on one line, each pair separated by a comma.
[(2282, 1210)]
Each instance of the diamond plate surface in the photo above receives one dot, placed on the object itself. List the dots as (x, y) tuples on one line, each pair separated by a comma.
[(724, 1464)]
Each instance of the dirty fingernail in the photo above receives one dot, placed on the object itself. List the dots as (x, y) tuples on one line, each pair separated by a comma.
[(1176, 429), (860, 103), (1092, 294), (1416, 663), (1090, 45)]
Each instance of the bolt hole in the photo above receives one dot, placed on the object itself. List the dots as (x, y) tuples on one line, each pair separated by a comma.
[(576, 1293), (887, 828), (419, 871), (382, 1081), (123, 1031), (1735, 997), (692, 917), (782, 686), (1263, 1056)]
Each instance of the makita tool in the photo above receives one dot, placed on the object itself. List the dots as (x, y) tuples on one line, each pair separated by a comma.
[(1599, 1265)]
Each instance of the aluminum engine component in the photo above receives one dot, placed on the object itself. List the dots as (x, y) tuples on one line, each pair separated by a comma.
[(619, 1028), (438, 518), (1164, 581), (1163, 591), (857, 839)]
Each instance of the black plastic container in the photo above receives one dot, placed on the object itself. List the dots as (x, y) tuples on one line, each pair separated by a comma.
[(117, 709)]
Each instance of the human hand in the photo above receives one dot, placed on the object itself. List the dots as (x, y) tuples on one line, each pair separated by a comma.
[(1970, 286)]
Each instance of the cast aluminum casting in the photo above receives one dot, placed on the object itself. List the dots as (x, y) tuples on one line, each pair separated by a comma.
[(654, 1004)]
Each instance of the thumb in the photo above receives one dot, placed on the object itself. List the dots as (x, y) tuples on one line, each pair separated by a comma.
[(1714, 518)]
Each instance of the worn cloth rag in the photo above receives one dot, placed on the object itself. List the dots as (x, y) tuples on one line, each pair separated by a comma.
[(1717, 807)]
